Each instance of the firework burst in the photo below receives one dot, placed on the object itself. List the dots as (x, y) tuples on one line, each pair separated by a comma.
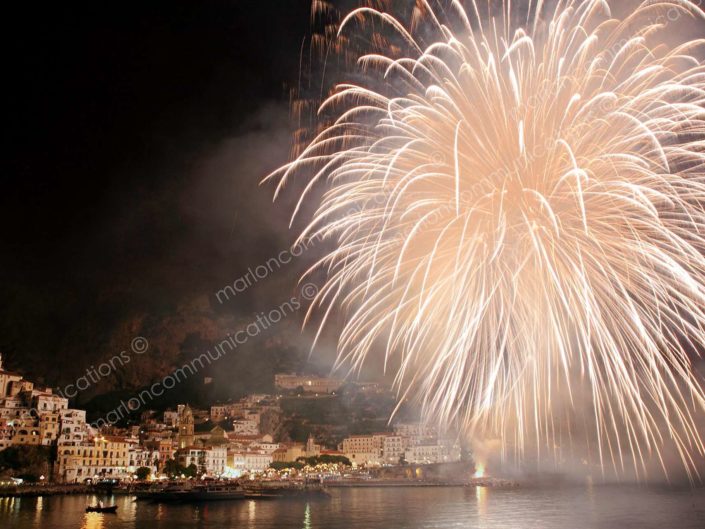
[(516, 200)]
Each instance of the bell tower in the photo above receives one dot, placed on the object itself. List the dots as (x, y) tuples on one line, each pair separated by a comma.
[(186, 427)]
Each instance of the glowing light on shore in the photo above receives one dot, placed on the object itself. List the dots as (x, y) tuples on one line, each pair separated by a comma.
[(479, 470), (516, 203)]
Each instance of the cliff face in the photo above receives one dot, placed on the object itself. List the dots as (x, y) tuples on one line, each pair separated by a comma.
[(86, 361)]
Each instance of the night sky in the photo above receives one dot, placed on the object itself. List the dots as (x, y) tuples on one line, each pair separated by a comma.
[(137, 134)]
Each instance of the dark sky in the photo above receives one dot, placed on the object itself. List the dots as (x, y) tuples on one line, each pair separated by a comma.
[(137, 133)]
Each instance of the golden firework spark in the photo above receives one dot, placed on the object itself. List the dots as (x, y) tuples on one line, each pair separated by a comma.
[(517, 203)]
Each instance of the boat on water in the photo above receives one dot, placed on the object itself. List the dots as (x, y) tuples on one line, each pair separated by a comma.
[(216, 492), (188, 492), (174, 492), (111, 509), (281, 490), (147, 492)]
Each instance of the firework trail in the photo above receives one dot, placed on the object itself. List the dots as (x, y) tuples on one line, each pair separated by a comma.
[(516, 200)]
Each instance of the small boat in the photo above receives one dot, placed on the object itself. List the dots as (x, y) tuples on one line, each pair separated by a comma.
[(97, 508)]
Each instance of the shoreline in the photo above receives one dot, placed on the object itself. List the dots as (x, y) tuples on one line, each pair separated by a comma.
[(475, 482), (35, 491)]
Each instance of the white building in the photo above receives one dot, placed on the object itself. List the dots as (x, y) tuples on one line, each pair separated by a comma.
[(424, 454), (257, 461), (74, 429), (264, 446), (43, 401), (388, 448), (450, 450), (216, 460), (252, 461), (210, 461), (219, 412), (374, 449), (245, 427), (416, 432), (393, 447), (171, 418), (139, 456)]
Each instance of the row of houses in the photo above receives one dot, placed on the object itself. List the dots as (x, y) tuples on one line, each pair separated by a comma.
[(256, 414), (412, 443), (214, 453), (35, 416), (31, 415)]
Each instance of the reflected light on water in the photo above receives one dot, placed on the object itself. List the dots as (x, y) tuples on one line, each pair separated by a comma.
[(129, 508), (92, 520), (10, 505), (202, 513), (590, 491), (39, 507), (481, 496), (563, 507), (251, 513)]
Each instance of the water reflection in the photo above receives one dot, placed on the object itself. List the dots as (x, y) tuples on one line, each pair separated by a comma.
[(39, 506), (93, 520), (7, 505), (382, 508), (481, 496), (203, 513), (251, 512), (161, 510), (129, 508)]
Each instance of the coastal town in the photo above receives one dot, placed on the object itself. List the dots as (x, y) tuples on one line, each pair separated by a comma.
[(246, 438)]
